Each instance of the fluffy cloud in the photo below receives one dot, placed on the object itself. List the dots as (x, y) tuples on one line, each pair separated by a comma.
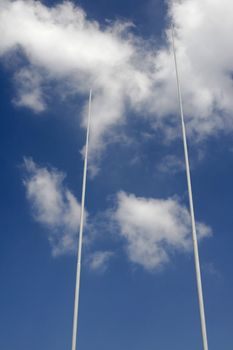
[(62, 45), (205, 58), (56, 208), (53, 205), (154, 229)]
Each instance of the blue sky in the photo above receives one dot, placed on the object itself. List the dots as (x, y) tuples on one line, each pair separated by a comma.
[(138, 286)]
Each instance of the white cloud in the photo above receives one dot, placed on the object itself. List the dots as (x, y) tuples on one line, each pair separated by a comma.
[(53, 205), (154, 229), (29, 91), (124, 70), (98, 261), (205, 57), (69, 47), (56, 208)]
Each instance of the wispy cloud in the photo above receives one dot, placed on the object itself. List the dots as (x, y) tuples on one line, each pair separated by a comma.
[(99, 260), (53, 206), (171, 164), (61, 44), (210, 269), (29, 90), (154, 229)]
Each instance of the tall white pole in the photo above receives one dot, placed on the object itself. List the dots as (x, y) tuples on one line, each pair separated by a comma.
[(77, 288), (194, 233)]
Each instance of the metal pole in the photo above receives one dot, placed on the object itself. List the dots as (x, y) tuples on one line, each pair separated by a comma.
[(77, 288), (194, 233)]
